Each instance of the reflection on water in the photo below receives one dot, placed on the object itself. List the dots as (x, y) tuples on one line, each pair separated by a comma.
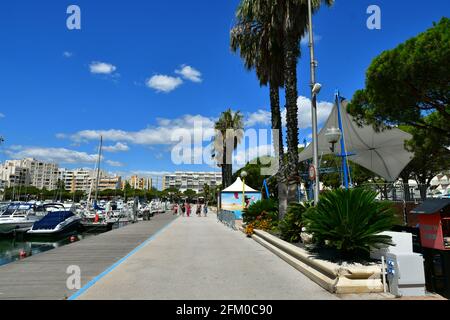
[(16, 249)]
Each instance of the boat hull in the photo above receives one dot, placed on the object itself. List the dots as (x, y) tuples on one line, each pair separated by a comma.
[(67, 226), (7, 228)]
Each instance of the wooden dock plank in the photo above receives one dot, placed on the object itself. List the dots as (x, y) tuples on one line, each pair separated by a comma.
[(44, 276)]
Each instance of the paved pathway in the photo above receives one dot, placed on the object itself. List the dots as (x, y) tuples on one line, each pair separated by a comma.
[(199, 258)]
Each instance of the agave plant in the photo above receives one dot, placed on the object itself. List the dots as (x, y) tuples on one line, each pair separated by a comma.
[(264, 209), (292, 224), (351, 221)]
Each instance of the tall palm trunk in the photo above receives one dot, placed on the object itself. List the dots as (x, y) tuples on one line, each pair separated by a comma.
[(227, 169), (291, 55), (277, 126), (276, 120)]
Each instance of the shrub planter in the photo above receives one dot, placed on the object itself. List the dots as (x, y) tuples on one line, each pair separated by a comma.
[(336, 278)]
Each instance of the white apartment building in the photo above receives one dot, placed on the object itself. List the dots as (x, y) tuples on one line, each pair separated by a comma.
[(14, 176), (30, 172), (85, 179), (192, 180), (42, 174), (76, 179)]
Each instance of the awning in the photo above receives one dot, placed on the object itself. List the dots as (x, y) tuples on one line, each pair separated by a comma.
[(238, 186), (432, 206), (383, 152)]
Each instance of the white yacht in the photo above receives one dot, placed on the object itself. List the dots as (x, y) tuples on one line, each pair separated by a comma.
[(58, 221), (18, 216)]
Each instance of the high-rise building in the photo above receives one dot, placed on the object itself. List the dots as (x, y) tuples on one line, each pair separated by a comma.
[(108, 182), (76, 179), (140, 183), (85, 180), (192, 180), (30, 172), (13, 175)]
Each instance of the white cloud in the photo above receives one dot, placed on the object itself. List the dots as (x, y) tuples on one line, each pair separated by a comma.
[(61, 136), (189, 73), (68, 54), (161, 134), (304, 112), (259, 117), (102, 68), (163, 83), (2, 115), (118, 147), (242, 157), (56, 155), (114, 163), (305, 39)]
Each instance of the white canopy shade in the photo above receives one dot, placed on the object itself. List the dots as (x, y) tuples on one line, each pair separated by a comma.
[(238, 186), (383, 152)]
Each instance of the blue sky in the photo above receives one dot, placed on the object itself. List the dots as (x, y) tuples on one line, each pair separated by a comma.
[(61, 88)]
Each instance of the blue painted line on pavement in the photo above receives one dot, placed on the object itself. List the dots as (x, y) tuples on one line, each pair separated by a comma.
[(118, 263)]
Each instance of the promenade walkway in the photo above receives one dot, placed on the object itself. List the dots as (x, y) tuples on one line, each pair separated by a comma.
[(198, 258)]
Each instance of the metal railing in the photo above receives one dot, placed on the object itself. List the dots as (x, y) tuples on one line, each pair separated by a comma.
[(228, 218), (401, 192)]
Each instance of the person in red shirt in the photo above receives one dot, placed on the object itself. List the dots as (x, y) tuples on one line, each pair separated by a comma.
[(188, 209)]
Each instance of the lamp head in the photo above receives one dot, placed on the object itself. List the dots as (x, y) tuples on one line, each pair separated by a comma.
[(316, 88), (333, 135), (244, 174)]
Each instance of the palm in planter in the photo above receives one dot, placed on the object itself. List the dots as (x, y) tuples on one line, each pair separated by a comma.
[(267, 207), (291, 226), (351, 221)]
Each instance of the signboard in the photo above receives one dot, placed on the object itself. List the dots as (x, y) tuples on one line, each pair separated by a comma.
[(232, 201), (431, 232)]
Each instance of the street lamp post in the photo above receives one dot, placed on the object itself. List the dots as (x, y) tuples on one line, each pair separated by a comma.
[(315, 89), (243, 176)]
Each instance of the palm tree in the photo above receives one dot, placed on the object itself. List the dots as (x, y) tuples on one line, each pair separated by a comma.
[(261, 47), (295, 24), (229, 133), (289, 22)]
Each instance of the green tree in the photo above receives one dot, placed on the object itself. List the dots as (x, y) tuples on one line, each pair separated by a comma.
[(190, 194), (254, 177), (260, 45), (406, 84), (430, 157), (229, 133), (359, 175)]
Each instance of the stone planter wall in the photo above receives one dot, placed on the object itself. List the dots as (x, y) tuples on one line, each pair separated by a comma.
[(331, 276)]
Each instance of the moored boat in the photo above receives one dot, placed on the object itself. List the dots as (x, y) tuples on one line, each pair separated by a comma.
[(17, 216), (56, 222)]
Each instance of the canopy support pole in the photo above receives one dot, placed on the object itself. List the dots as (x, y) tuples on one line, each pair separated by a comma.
[(343, 149)]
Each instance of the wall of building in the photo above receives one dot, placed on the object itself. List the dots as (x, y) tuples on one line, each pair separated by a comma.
[(192, 180)]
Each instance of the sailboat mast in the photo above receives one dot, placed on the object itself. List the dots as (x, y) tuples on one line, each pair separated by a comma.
[(98, 167)]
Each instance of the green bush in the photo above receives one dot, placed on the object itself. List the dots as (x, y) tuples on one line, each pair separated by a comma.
[(291, 226), (351, 220), (267, 208)]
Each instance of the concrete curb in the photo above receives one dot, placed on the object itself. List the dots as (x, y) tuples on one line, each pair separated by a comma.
[(330, 276)]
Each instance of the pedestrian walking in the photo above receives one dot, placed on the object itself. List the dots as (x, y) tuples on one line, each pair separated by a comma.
[(199, 210), (183, 208), (175, 209), (188, 209), (205, 210)]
